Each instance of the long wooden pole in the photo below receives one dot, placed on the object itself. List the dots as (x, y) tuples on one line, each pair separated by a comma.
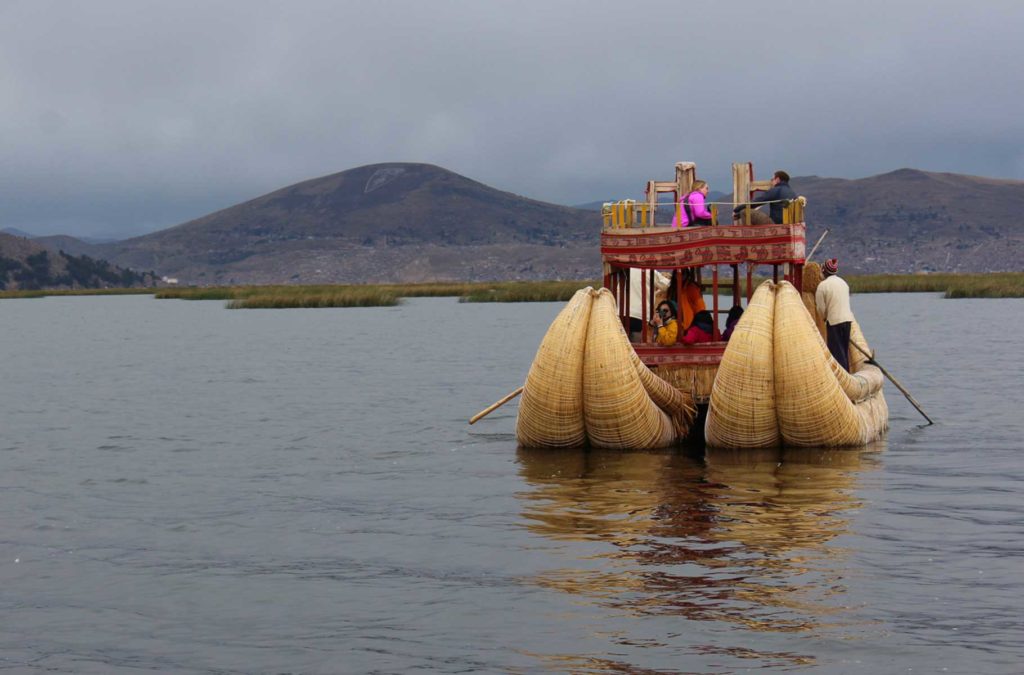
[(816, 245), (491, 408), (871, 359)]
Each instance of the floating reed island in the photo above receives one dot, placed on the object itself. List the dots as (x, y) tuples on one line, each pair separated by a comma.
[(375, 295), (605, 377)]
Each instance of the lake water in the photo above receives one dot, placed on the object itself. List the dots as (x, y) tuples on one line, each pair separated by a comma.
[(190, 489)]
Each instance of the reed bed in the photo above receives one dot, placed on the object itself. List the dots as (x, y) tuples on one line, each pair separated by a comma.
[(342, 297), (990, 285), (987, 285), (526, 291), (42, 293)]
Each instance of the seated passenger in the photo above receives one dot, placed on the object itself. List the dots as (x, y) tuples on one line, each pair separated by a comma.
[(730, 322), (665, 325), (692, 299), (692, 208), (777, 196), (702, 329), (757, 217)]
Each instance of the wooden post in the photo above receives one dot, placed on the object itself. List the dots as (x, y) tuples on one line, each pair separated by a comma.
[(750, 281), (775, 273), (622, 281), (686, 173), (714, 303), (871, 360), (735, 285), (678, 275), (494, 406), (643, 308)]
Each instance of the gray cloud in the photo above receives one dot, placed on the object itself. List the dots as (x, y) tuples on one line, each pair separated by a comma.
[(121, 116)]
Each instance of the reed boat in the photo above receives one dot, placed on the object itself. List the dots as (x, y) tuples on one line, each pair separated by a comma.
[(774, 383)]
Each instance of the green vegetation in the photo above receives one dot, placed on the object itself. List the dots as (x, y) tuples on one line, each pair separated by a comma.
[(991, 285), (994, 285), (45, 292), (526, 291), (377, 295)]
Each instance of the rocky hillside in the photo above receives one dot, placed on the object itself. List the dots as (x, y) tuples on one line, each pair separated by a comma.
[(385, 222), (418, 222), (27, 265), (912, 221)]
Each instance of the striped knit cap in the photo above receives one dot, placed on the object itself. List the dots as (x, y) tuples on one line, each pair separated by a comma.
[(830, 267)]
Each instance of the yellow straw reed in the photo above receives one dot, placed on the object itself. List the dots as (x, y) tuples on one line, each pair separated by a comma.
[(742, 409), (812, 392), (617, 410), (695, 380), (551, 410)]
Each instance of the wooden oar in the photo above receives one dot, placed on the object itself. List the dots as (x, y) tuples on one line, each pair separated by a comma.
[(871, 359), (491, 408), (816, 245)]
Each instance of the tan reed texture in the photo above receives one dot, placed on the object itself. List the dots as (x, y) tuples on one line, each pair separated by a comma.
[(679, 405), (742, 409), (695, 380), (812, 404), (617, 410), (551, 409), (865, 379), (856, 358), (812, 277)]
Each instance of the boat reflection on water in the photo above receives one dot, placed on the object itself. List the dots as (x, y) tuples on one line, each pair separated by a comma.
[(745, 537)]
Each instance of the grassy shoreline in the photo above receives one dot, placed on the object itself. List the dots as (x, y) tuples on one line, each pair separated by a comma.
[(987, 285)]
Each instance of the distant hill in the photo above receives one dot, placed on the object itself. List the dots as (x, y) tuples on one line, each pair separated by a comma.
[(63, 242), (911, 221), (16, 232), (418, 222), (384, 222), (27, 264)]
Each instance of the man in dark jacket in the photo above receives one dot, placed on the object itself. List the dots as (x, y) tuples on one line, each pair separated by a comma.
[(779, 191)]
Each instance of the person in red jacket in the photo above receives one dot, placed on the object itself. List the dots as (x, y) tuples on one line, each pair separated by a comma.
[(702, 330)]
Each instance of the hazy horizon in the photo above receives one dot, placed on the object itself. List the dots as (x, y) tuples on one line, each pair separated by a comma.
[(120, 119)]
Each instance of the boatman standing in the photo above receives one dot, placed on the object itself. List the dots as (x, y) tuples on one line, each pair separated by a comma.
[(833, 302)]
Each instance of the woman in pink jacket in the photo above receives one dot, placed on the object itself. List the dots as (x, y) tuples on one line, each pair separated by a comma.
[(692, 208)]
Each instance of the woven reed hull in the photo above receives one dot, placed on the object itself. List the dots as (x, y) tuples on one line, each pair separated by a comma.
[(587, 386), (741, 413), (779, 385), (818, 403), (551, 409)]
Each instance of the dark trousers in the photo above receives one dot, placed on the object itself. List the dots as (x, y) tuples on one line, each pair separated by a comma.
[(839, 343)]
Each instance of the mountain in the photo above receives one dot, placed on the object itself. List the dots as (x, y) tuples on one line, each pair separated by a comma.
[(68, 244), (405, 222), (383, 222), (911, 221), (27, 264), (16, 232)]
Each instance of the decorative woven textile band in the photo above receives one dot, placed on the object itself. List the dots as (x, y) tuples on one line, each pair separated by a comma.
[(665, 248)]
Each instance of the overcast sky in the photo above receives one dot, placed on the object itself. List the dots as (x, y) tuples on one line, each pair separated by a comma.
[(119, 117)]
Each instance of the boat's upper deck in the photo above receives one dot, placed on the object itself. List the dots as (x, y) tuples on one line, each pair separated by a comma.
[(669, 248)]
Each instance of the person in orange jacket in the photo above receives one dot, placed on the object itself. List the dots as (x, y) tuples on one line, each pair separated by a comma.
[(692, 300)]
